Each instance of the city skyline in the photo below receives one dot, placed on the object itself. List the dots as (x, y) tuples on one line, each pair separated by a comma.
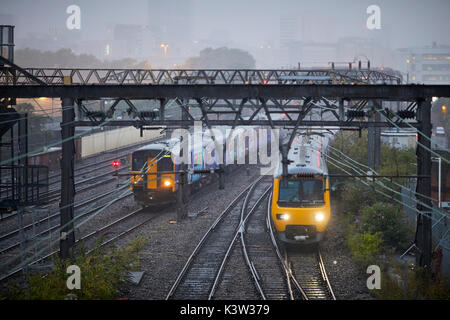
[(275, 33)]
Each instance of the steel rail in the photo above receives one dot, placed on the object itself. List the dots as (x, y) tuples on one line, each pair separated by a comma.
[(204, 238), (76, 217), (233, 241), (250, 264), (55, 197), (89, 236), (324, 274), (126, 152), (284, 262), (56, 226), (21, 268), (315, 289), (276, 285), (128, 148)]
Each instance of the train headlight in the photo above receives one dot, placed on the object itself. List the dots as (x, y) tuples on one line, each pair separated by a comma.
[(167, 183), (319, 217), (282, 216)]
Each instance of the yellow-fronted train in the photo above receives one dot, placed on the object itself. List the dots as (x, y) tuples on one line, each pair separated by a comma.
[(300, 207)]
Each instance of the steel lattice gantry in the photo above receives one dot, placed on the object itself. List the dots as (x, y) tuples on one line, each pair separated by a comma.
[(51, 76), (326, 98)]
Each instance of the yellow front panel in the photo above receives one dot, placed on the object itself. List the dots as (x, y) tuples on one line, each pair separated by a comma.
[(152, 182), (299, 216)]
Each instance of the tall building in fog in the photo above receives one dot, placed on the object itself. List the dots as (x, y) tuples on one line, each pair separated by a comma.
[(171, 23), (128, 41), (428, 64), (290, 25)]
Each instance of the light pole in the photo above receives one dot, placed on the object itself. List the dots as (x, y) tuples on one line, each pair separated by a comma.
[(164, 46), (439, 160)]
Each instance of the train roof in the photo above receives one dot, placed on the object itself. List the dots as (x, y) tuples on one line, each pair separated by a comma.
[(306, 154), (197, 142), (161, 145), (300, 171)]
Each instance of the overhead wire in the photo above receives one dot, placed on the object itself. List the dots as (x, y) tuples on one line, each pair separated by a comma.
[(359, 171), (420, 144)]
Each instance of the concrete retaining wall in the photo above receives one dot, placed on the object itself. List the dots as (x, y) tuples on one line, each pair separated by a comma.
[(113, 139)]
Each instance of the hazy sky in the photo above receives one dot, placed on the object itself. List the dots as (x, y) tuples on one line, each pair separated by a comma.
[(405, 22)]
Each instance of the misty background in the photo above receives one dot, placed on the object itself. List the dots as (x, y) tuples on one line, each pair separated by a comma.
[(276, 34)]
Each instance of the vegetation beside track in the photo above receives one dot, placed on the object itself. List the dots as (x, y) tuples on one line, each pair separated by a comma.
[(377, 227), (102, 274)]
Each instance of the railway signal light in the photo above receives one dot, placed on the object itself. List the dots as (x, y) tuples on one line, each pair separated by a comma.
[(116, 165)]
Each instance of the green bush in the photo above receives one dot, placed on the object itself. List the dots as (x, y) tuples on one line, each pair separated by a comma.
[(365, 247), (101, 275), (355, 197), (386, 219), (420, 285)]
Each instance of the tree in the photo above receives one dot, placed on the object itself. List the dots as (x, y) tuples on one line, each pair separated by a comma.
[(65, 58), (221, 58)]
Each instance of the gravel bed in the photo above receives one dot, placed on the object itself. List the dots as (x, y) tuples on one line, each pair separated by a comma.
[(346, 277), (171, 244), (236, 281)]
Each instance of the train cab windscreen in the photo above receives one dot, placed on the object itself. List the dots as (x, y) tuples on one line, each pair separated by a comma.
[(139, 159), (301, 192), (165, 163)]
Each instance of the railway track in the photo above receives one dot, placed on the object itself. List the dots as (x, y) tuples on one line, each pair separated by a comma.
[(309, 270), (304, 269), (262, 261), (278, 273), (54, 196), (201, 275), (123, 225), (53, 216), (53, 193)]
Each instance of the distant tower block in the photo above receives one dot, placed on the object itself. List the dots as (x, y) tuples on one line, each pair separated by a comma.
[(7, 42)]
